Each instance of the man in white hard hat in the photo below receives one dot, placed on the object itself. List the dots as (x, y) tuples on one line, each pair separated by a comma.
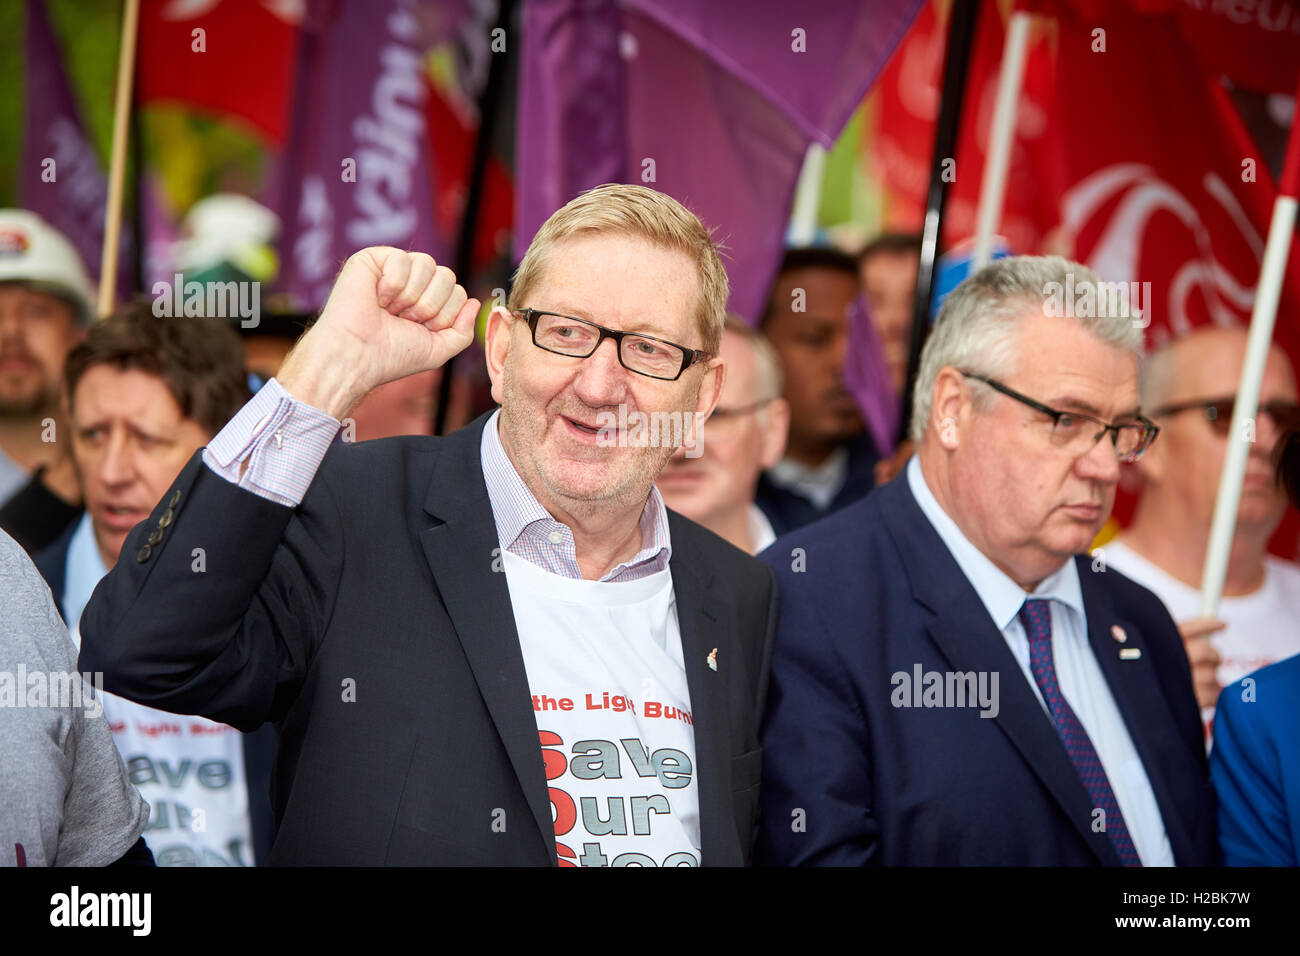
[(45, 305)]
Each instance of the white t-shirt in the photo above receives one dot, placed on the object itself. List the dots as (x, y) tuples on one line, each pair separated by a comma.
[(605, 670), (1263, 627), (189, 769)]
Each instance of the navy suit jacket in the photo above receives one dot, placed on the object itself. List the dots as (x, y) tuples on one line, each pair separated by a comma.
[(848, 778), (1255, 766), (788, 510), (373, 626), (258, 746)]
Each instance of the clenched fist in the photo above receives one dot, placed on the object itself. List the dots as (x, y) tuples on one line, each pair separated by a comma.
[(390, 314)]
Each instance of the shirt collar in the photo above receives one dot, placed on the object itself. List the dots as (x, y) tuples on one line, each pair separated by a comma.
[(515, 509), (819, 484), (760, 529), (82, 571), (1001, 596)]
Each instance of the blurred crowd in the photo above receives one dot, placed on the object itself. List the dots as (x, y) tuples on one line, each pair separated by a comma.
[(97, 418)]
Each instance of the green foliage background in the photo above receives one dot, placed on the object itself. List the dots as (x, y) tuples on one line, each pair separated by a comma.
[(88, 32), (203, 155)]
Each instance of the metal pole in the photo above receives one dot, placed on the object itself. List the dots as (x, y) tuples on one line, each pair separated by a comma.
[(489, 107), (961, 37)]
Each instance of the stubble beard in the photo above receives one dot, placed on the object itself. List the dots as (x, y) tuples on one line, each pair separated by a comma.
[(525, 426), (17, 407)]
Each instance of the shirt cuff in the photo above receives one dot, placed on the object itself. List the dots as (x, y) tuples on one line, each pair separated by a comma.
[(283, 440)]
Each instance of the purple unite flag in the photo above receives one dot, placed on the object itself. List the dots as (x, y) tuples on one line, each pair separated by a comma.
[(714, 104), (61, 178), (356, 170)]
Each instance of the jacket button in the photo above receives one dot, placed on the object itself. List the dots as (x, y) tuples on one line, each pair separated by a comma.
[(155, 536), (144, 553), (166, 518), (175, 499)]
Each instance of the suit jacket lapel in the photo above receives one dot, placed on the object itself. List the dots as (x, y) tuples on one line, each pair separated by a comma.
[(965, 634), (1141, 702), (460, 552), (700, 635)]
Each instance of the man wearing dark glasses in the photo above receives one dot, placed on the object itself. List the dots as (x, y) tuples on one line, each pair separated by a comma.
[(954, 682), (1190, 385), (497, 647)]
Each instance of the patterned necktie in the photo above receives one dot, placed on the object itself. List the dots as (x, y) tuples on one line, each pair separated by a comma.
[(1036, 616)]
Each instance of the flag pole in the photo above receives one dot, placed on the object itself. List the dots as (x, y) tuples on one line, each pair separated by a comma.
[(489, 106), (961, 37), (117, 161), (1271, 276), (993, 184), (807, 197)]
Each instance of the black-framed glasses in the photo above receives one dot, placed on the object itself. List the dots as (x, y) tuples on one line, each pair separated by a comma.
[(1218, 412), (578, 338), (1073, 432), (730, 414)]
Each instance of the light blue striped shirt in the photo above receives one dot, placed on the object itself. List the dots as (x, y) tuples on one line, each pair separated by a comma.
[(284, 441)]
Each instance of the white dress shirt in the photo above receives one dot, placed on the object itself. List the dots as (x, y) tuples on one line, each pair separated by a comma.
[(760, 530), (1082, 683)]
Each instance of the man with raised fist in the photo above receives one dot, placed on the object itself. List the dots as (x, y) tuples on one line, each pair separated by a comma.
[(497, 647)]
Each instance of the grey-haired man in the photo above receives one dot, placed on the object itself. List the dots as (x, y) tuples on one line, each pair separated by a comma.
[(953, 682)]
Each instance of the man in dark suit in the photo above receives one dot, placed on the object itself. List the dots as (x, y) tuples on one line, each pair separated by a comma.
[(830, 457), (143, 394), (953, 683), (496, 647)]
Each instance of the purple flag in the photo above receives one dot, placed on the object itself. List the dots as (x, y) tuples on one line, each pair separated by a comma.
[(713, 104), (356, 170), (61, 178), (866, 375)]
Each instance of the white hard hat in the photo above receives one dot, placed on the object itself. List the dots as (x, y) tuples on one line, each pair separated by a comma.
[(228, 227), (34, 252)]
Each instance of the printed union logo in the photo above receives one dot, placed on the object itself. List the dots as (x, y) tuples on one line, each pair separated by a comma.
[(13, 242)]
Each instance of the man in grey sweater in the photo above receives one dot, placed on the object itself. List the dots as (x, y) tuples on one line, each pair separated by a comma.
[(65, 799)]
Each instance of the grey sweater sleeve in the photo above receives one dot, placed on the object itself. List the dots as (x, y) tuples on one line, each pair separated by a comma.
[(65, 799)]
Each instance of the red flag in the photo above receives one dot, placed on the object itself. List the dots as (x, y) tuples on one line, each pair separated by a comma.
[(1254, 45), (452, 130), (901, 133), (1164, 184), (231, 57)]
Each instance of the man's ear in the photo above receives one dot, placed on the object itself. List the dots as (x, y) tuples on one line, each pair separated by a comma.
[(776, 432), (710, 388), (496, 339), (706, 399), (950, 406)]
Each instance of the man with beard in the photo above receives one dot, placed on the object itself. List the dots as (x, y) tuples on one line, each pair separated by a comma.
[(1190, 384), (496, 647), (45, 304), (830, 459)]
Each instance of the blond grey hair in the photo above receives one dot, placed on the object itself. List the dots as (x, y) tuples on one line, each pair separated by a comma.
[(635, 211), (976, 330)]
